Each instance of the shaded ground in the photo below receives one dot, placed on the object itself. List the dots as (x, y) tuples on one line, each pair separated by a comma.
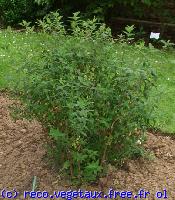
[(22, 151)]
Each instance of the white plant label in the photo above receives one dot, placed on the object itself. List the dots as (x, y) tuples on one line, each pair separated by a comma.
[(154, 35)]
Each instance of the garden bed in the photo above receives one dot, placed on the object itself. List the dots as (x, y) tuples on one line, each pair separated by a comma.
[(22, 152)]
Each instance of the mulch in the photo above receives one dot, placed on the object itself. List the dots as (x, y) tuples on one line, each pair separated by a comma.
[(22, 153)]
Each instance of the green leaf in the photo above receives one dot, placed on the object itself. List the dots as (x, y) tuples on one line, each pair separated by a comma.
[(56, 134)]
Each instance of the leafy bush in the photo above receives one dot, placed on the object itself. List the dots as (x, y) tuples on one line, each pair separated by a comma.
[(14, 11), (93, 102)]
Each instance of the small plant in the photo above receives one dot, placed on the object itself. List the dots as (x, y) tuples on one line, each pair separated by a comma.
[(52, 23), (167, 44), (140, 44), (129, 32), (9, 29), (26, 25)]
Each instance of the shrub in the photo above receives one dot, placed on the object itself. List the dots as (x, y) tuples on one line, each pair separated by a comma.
[(14, 11), (93, 102)]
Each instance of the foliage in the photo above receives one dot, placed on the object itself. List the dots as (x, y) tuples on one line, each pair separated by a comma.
[(14, 11), (42, 2), (167, 44), (52, 23), (103, 8), (15, 47), (27, 26), (129, 32), (93, 102)]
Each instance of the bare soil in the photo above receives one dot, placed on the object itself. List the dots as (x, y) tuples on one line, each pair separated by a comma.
[(22, 151)]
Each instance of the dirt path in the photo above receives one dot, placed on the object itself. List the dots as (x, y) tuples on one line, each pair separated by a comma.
[(21, 153)]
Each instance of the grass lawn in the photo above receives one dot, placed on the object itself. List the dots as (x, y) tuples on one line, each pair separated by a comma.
[(166, 85), (16, 47)]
